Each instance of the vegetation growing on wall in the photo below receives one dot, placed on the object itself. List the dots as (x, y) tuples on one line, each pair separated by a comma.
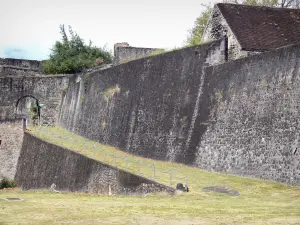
[(157, 52), (161, 51), (72, 55), (109, 93), (219, 96), (65, 90), (85, 82), (34, 113), (81, 100)]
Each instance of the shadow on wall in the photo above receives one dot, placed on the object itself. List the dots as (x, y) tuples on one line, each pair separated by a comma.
[(70, 171)]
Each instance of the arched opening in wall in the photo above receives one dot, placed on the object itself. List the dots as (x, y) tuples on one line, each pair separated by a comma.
[(28, 108)]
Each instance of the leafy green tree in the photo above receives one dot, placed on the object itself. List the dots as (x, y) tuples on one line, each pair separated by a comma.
[(72, 55), (270, 3), (195, 34)]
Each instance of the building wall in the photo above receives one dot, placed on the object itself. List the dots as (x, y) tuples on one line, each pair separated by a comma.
[(11, 137), (41, 164), (145, 107), (125, 53), (217, 28)]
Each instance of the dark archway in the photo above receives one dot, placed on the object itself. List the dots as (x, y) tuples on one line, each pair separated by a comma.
[(36, 101)]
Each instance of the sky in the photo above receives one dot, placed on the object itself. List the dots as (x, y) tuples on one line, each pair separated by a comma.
[(29, 28)]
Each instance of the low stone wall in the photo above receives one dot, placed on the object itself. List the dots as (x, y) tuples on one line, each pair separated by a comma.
[(24, 63), (41, 164), (11, 137), (17, 71), (126, 53), (19, 67)]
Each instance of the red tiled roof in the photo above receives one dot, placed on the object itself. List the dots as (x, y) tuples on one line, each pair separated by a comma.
[(262, 28)]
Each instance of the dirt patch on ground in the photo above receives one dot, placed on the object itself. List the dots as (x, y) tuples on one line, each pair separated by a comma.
[(221, 189)]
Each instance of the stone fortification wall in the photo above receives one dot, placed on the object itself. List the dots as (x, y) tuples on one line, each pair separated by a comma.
[(239, 117), (11, 137), (47, 89), (19, 67), (145, 107), (41, 164), (125, 53), (249, 110)]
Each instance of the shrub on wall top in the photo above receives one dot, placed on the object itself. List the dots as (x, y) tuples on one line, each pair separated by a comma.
[(72, 55)]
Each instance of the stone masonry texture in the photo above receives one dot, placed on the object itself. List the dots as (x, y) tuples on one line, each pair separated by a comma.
[(19, 67), (125, 53), (144, 107), (11, 137), (47, 89), (189, 106), (41, 164), (249, 110), (239, 117), (217, 27)]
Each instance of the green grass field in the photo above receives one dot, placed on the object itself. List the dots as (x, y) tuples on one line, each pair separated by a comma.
[(260, 202)]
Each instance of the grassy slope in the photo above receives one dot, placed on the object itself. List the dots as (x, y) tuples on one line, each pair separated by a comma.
[(260, 202)]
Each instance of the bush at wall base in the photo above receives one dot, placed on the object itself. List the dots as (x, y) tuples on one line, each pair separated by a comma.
[(7, 183)]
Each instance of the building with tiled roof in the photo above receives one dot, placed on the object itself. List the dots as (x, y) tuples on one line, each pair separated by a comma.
[(253, 29)]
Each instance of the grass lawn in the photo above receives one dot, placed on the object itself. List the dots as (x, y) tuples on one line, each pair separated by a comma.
[(44, 207), (260, 202)]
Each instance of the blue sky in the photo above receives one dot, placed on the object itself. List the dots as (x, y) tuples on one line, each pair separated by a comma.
[(29, 28)]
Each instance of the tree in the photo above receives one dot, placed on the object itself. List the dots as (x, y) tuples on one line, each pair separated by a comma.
[(269, 3), (72, 55), (195, 34)]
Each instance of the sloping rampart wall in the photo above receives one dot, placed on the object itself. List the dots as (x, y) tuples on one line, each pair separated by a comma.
[(42, 164)]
